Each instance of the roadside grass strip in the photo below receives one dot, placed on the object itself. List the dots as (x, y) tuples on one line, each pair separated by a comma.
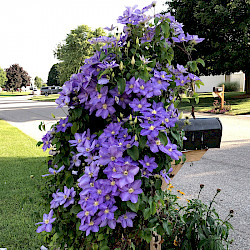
[(43, 98), (15, 93), (239, 102), (21, 167)]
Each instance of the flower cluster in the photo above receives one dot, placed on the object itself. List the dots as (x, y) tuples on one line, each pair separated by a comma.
[(120, 132)]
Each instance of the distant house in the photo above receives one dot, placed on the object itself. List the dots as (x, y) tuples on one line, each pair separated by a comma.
[(214, 81)]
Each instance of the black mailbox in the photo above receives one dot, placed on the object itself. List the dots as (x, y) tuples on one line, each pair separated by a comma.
[(201, 133)]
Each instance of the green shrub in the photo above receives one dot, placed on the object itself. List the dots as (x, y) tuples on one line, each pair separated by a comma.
[(230, 86)]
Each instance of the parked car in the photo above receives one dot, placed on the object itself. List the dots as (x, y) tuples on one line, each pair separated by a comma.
[(45, 90), (50, 90)]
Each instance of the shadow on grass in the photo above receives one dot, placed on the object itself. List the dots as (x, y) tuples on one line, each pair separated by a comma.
[(20, 207)]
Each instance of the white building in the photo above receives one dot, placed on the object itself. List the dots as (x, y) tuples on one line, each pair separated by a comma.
[(214, 81)]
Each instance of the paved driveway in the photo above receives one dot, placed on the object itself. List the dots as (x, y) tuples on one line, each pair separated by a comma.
[(227, 168)]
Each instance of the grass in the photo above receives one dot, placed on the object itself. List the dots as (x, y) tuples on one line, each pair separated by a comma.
[(19, 203), (15, 93), (239, 101), (43, 98)]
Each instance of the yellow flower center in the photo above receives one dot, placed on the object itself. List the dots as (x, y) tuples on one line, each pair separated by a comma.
[(79, 140), (147, 164), (113, 132), (99, 96), (46, 221), (125, 172), (91, 184), (106, 211), (99, 191), (139, 106), (131, 86), (112, 183), (112, 158), (128, 145), (170, 149), (86, 213), (87, 149), (91, 223), (86, 198), (151, 127), (131, 190), (125, 217), (90, 175), (162, 76), (107, 197), (182, 81), (88, 138), (154, 112), (47, 142), (142, 87), (158, 142), (96, 203), (64, 125), (159, 81), (166, 120), (65, 196), (114, 169), (104, 106)]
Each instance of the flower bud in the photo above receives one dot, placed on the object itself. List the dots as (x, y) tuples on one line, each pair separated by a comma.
[(137, 41), (121, 115), (135, 121), (128, 44), (118, 119), (121, 66), (130, 117), (136, 137), (133, 60), (131, 122)]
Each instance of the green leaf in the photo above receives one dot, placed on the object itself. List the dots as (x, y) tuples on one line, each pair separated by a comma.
[(147, 213), (166, 227), (163, 138), (201, 61), (156, 20), (74, 128), (134, 206), (100, 237), (142, 142), (158, 183), (39, 143), (75, 210), (165, 28), (121, 84), (53, 115), (196, 98), (147, 235), (133, 152)]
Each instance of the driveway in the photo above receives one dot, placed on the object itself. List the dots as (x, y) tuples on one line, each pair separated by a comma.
[(227, 168)]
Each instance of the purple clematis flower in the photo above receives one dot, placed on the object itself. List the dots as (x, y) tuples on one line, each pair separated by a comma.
[(164, 174), (66, 197), (110, 154), (125, 174), (131, 191), (105, 109), (63, 125), (54, 171), (93, 226), (126, 219), (46, 225), (148, 163), (138, 105)]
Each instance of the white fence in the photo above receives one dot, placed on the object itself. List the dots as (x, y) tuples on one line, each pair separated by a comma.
[(214, 81)]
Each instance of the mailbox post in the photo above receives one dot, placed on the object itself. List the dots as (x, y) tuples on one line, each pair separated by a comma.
[(219, 91)]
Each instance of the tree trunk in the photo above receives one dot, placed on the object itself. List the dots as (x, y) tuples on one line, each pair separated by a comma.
[(247, 82)]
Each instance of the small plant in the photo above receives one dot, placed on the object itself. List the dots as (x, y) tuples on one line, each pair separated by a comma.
[(230, 86), (196, 225), (217, 108)]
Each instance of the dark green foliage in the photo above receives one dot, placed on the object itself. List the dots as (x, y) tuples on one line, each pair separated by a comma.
[(3, 77), (225, 26), (195, 225), (17, 77), (53, 77), (230, 86)]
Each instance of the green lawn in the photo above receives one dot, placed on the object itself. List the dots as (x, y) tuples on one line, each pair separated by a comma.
[(15, 93), (239, 101), (43, 98), (19, 196)]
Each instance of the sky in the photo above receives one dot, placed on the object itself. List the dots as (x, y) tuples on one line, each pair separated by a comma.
[(31, 29)]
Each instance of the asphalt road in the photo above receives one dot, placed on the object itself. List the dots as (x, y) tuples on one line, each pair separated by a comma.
[(227, 168)]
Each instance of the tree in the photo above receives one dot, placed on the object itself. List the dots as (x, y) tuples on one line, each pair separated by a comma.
[(75, 49), (17, 77), (53, 77), (38, 82), (3, 78), (224, 24)]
